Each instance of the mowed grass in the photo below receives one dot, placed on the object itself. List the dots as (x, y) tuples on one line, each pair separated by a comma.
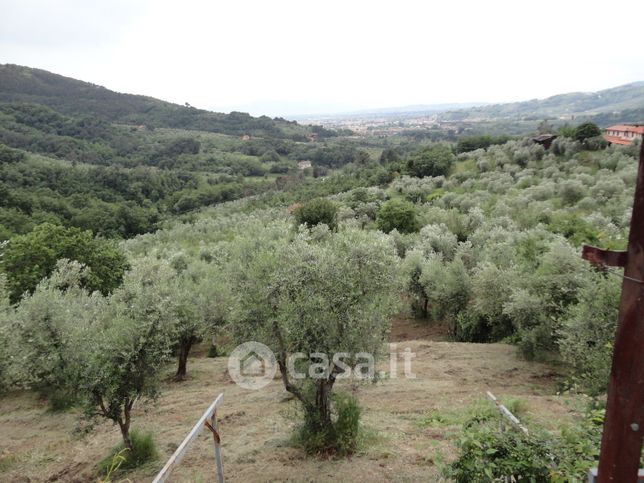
[(410, 423)]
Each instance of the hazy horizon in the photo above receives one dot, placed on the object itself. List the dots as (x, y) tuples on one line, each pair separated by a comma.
[(295, 59)]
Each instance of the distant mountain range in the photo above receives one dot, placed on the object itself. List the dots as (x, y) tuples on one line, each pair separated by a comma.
[(624, 103), (618, 104), (77, 98), (388, 111)]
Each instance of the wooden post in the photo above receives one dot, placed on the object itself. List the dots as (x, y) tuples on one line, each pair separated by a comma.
[(621, 445)]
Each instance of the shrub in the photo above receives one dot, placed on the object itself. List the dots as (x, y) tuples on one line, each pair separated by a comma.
[(60, 399), (574, 228), (471, 327), (8, 155), (472, 143), (181, 146), (143, 451), (8, 342), (432, 161), (315, 212), (571, 191), (270, 156), (587, 333), (27, 259), (399, 215), (485, 454), (587, 130), (437, 239), (342, 437)]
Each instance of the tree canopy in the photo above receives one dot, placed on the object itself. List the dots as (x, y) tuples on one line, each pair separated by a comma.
[(586, 130), (315, 212), (397, 215), (435, 160), (326, 296), (27, 259)]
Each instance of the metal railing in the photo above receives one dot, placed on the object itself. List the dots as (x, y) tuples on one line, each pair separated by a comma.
[(207, 420)]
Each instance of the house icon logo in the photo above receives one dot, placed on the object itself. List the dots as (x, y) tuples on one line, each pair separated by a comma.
[(252, 365)]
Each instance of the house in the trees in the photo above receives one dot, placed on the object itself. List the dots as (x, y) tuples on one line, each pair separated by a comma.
[(623, 133), (304, 164), (545, 140)]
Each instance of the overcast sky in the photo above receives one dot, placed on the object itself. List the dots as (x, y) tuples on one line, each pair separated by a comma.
[(289, 57)]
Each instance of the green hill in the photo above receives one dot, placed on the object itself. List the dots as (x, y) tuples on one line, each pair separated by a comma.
[(619, 104), (77, 154), (72, 97)]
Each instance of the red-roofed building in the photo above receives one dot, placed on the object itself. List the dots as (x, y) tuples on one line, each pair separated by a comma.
[(623, 133)]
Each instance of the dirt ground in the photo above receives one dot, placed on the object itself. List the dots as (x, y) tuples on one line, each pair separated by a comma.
[(410, 423)]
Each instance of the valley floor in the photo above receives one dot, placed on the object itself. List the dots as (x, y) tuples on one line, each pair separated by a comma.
[(409, 422)]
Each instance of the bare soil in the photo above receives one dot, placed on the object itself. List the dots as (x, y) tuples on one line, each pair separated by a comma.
[(405, 439)]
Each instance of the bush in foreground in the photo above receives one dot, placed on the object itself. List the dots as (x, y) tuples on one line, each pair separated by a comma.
[(486, 454), (143, 450), (341, 437)]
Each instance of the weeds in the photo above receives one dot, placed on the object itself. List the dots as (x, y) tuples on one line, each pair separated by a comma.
[(342, 437), (143, 451)]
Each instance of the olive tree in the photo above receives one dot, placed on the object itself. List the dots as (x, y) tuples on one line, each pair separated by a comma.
[(103, 352), (200, 295), (132, 340), (588, 330), (325, 296), (437, 287), (7, 337), (413, 267), (50, 325)]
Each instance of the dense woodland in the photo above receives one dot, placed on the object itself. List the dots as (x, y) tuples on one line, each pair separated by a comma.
[(135, 229)]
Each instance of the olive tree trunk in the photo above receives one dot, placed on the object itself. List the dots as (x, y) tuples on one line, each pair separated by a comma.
[(124, 425), (185, 344)]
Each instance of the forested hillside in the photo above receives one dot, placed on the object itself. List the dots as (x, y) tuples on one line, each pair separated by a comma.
[(76, 98), (118, 164)]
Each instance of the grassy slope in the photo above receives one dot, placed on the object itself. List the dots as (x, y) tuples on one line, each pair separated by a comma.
[(409, 421)]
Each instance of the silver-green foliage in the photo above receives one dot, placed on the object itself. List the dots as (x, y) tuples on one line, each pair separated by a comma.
[(130, 345), (587, 332), (315, 294)]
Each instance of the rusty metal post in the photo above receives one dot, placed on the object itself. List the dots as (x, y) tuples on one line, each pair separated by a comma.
[(214, 429), (621, 446)]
